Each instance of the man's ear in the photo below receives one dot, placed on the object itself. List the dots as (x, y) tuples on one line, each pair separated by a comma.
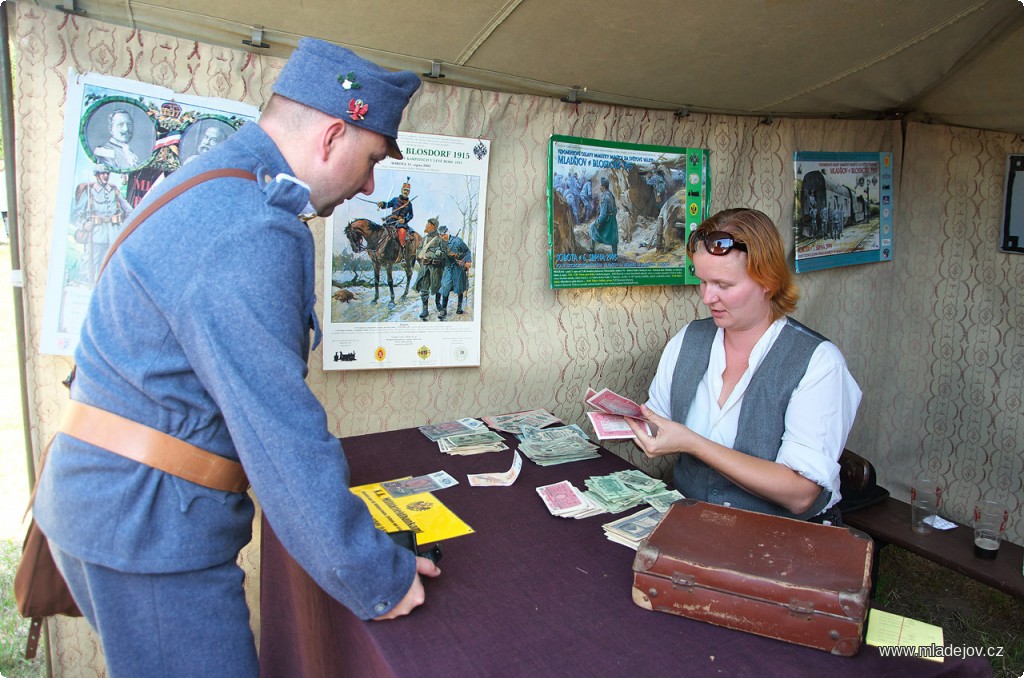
[(331, 137)]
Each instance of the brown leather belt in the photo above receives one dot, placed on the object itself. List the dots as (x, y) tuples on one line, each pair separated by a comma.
[(148, 446)]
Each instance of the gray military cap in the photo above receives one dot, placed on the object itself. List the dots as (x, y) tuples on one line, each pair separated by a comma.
[(334, 80)]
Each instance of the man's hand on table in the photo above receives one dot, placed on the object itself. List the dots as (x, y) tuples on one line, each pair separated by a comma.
[(416, 595)]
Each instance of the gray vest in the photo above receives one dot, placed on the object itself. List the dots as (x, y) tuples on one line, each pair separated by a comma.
[(762, 415)]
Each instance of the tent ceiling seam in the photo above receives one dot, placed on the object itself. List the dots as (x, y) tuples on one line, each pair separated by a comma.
[(882, 57), (487, 30), (985, 44), (130, 13)]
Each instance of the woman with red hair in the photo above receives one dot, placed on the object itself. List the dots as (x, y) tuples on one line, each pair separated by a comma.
[(758, 406)]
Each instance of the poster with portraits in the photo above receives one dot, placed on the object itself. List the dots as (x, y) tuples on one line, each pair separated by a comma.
[(619, 214), (842, 209), (121, 138), (404, 265)]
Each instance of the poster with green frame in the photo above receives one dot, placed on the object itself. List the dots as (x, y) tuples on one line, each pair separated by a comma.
[(619, 214)]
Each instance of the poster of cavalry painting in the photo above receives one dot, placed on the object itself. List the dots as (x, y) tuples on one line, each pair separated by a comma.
[(619, 214), (842, 210), (403, 271), (121, 137)]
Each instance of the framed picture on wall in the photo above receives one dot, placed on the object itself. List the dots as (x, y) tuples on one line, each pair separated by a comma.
[(397, 300), (121, 137), (842, 209), (619, 214), (1013, 215)]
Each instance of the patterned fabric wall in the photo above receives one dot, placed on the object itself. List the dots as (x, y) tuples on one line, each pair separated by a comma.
[(933, 338), (954, 372)]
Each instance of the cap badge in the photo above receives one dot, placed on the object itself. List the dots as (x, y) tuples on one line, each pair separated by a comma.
[(357, 110), (349, 81)]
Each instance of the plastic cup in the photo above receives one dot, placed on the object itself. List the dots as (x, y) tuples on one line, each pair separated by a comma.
[(990, 519), (925, 497)]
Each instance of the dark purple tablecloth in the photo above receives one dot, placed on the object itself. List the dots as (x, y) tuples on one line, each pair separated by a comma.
[(528, 594)]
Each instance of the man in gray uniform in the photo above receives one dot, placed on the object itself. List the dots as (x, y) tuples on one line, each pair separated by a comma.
[(605, 228), (431, 259), (199, 331), (100, 215), (457, 261)]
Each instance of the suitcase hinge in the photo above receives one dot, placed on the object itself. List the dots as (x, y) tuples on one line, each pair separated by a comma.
[(683, 581), (800, 608)]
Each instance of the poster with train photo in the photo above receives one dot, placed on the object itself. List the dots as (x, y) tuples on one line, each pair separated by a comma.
[(842, 210)]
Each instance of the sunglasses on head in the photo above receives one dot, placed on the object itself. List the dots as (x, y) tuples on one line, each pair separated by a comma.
[(718, 243)]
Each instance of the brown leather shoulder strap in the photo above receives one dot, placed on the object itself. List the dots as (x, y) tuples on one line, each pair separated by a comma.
[(171, 195)]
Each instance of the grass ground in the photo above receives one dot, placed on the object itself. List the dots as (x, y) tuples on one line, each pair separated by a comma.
[(971, 614)]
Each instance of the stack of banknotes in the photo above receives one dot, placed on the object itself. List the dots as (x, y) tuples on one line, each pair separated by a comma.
[(449, 428), (634, 528), (612, 493), (472, 443), (558, 445), (565, 500), (513, 423), (623, 490)]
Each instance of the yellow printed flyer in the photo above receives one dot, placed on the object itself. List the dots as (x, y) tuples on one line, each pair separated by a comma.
[(422, 513)]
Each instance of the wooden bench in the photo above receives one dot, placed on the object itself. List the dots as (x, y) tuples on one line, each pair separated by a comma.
[(888, 522)]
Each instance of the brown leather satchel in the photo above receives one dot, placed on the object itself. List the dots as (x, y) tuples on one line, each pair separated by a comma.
[(39, 588)]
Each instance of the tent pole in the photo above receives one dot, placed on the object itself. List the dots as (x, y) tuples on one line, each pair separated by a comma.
[(17, 284), (7, 110)]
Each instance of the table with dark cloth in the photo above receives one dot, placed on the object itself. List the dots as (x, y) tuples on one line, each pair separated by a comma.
[(527, 594)]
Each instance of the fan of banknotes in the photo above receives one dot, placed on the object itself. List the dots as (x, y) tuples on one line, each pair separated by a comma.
[(609, 421)]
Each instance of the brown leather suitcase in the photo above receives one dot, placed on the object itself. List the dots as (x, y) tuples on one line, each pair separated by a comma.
[(787, 579)]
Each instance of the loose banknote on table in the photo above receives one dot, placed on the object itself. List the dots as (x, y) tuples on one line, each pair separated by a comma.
[(406, 487), (609, 420), (505, 479)]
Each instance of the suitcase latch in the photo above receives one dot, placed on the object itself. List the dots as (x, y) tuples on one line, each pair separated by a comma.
[(683, 581), (800, 608)]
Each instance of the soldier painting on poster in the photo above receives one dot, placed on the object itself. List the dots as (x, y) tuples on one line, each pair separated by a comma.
[(619, 214), (402, 279)]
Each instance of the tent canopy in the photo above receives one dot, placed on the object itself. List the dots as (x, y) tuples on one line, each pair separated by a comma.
[(956, 62)]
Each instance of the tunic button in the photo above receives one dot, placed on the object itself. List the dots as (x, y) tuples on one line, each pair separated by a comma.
[(726, 504), (380, 607)]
